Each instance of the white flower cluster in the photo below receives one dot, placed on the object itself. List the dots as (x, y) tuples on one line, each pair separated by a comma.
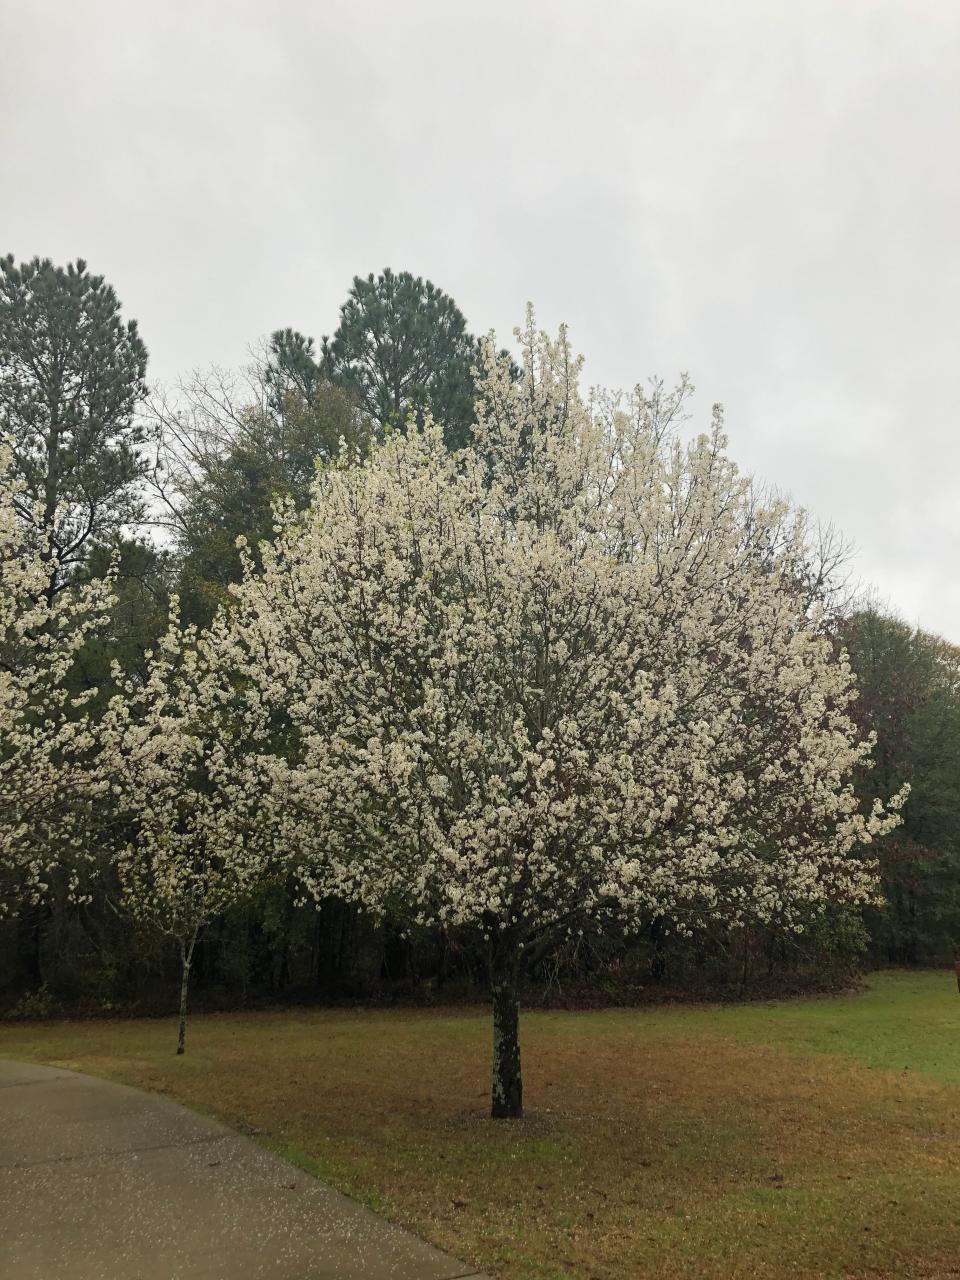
[(185, 792), (47, 739), (568, 673)]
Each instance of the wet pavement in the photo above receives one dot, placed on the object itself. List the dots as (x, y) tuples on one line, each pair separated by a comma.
[(102, 1182)]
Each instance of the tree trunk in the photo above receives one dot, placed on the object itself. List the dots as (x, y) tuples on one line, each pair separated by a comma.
[(507, 1090), (186, 955)]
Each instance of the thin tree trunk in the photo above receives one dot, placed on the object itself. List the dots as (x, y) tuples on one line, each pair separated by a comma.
[(507, 1088), (186, 956)]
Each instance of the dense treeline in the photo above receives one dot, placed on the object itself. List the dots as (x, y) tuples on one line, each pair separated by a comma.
[(909, 697), (158, 489)]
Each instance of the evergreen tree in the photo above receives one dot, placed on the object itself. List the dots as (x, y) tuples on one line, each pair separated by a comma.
[(909, 696), (402, 346), (71, 375), (292, 366), (143, 580)]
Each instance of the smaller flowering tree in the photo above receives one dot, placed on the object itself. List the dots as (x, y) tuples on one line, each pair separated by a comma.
[(569, 677), (195, 838), (47, 737)]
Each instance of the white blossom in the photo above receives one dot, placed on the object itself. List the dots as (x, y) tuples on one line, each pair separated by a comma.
[(569, 671), (47, 737), (190, 809)]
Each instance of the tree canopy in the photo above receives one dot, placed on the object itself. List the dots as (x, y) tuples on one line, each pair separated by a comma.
[(71, 376), (47, 739), (909, 697), (403, 349), (230, 449)]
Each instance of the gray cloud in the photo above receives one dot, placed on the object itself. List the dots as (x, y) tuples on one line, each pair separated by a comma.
[(765, 195)]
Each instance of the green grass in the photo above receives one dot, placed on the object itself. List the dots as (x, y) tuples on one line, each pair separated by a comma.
[(903, 1022), (804, 1138)]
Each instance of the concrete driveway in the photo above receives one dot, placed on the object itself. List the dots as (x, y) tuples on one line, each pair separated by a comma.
[(102, 1182)]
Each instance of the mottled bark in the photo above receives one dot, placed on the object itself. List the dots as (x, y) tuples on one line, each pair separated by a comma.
[(186, 956)]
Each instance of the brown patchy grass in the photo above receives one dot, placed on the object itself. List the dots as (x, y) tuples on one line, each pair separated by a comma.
[(675, 1143)]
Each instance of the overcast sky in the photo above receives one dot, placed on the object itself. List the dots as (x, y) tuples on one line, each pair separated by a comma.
[(765, 194)]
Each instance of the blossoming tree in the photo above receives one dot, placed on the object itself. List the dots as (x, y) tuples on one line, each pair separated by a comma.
[(47, 738), (187, 799), (570, 674)]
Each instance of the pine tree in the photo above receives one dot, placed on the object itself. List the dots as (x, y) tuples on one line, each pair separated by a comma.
[(71, 375), (402, 345)]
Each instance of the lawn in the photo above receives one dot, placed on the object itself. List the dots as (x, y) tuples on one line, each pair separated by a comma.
[(804, 1138)]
